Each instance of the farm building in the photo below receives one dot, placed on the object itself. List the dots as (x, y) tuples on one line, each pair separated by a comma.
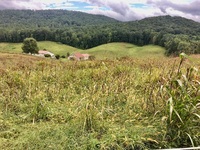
[(79, 56), (45, 52)]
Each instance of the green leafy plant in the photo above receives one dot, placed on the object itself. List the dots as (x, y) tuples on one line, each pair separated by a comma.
[(30, 46), (57, 56)]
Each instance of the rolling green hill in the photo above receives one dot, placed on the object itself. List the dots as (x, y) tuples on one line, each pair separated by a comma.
[(57, 48), (110, 50), (54, 47), (85, 31), (113, 50)]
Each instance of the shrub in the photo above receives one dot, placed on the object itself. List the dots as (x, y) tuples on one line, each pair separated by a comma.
[(92, 57), (57, 56), (47, 55), (30, 46), (63, 56), (68, 54)]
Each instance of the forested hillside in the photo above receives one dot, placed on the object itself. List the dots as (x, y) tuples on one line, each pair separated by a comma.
[(85, 31), (19, 19)]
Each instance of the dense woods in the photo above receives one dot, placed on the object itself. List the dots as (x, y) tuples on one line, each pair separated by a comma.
[(84, 31)]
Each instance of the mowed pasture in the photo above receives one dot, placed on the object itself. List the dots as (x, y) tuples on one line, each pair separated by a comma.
[(117, 50), (124, 103), (56, 48), (105, 51)]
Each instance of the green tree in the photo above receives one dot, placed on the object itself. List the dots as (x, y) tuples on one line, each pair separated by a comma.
[(30, 46)]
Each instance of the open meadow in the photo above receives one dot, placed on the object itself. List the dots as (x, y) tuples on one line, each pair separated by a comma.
[(120, 103), (54, 47), (105, 51)]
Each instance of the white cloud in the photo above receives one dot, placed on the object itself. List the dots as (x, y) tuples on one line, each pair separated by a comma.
[(185, 8), (124, 10)]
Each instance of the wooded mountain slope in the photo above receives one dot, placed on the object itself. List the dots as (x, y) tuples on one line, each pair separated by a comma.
[(85, 31), (31, 19), (174, 25)]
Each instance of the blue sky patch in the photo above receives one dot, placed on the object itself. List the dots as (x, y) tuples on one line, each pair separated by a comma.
[(138, 5), (82, 5), (104, 8)]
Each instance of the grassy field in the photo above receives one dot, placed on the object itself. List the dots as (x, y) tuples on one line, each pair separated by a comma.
[(57, 48), (53, 47), (113, 50), (110, 51), (120, 104), (11, 47)]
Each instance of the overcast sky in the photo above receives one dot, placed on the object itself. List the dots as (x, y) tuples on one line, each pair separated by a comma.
[(124, 10)]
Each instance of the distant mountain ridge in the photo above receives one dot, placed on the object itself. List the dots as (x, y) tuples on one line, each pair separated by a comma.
[(50, 18), (177, 22), (56, 19), (82, 30)]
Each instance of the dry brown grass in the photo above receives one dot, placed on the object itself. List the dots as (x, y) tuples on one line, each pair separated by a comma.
[(102, 104)]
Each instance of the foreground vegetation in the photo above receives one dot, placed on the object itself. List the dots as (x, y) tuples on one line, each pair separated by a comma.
[(124, 103)]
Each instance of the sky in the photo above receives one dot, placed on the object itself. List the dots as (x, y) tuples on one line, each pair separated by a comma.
[(123, 10)]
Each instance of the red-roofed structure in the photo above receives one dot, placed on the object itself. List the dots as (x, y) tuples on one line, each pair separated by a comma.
[(79, 56)]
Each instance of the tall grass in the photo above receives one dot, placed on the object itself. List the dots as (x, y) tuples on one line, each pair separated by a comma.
[(124, 103), (175, 96)]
